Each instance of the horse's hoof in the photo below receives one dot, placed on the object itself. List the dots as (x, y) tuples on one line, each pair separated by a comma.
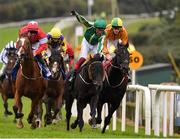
[(73, 126), (9, 113), (19, 124), (90, 122), (33, 125), (38, 123), (19, 115), (93, 126), (103, 131)]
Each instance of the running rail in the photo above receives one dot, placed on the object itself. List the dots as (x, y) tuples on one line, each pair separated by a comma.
[(156, 112), (146, 92)]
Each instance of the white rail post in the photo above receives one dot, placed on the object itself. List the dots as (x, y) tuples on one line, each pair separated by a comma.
[(137, 113), (165, 114), (160, 88), (171, 115), (114, 120), (123, 123), (147, 107)]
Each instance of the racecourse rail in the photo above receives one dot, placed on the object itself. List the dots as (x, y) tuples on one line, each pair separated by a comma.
[(150, 114)]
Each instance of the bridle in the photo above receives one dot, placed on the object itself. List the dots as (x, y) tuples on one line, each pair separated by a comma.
[(26, 56), (89, 72)]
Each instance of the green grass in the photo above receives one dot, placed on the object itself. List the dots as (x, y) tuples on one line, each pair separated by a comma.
[(8, 128), (134, 26), (11, 33)]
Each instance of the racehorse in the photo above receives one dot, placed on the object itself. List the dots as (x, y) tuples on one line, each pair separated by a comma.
[(55, 90), (87, 85), (29, 82), (115, 84), (7, 85)]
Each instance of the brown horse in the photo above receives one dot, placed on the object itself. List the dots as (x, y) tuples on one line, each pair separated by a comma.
[(54, 93), (29, 82), (7, 87)]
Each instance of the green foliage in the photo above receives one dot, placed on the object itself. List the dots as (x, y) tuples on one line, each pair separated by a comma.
[(154, 41)]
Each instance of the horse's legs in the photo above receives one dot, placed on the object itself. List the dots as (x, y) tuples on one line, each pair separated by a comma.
[(109, 116), (34, 106), (38, 121), (80, 106), (99, 109), (16, 106), (93, 106), (6, 112), (69, 101), (47, 117)]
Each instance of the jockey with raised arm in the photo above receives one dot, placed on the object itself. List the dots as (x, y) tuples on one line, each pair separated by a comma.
[(115, 32), (56, 40), (92, 41), (38, 40), (4, 57)]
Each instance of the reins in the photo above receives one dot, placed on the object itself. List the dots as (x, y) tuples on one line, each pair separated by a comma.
[(106, 76)]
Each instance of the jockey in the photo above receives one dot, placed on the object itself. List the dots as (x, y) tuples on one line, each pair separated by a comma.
[(56, 40), (92, 41), (115, 32), (38, 40), (4, 58)]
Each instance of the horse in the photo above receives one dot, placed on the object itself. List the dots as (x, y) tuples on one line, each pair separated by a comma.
[(29, 83), (54, 94), (7, 85), (87, 85), (115, 84)]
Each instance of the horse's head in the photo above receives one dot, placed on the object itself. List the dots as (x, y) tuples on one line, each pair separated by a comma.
[(121, 59), (25, 50), (55, 63), (96, 70), (12, 57)]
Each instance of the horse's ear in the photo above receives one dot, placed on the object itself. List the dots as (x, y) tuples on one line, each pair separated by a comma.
[(90, 56), (102, 57)]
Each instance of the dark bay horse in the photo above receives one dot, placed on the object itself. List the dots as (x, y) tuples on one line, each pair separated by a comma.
[(87, 86), (7, 85), (54, 94), (115, 84), (29, 82)]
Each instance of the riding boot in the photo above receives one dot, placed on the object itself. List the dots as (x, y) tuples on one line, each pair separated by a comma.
[(72, 76), (63, 73), (15, 70), (2, 73), (42, 64), (77, 66)]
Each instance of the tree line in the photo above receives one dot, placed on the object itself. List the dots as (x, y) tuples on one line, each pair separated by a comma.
[(16, 10)]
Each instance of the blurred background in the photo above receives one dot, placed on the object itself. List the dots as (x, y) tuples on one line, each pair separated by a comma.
[(153, 25)]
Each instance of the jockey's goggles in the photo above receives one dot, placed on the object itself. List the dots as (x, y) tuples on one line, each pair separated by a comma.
[(101, 29), (116, 27), (33, 32)]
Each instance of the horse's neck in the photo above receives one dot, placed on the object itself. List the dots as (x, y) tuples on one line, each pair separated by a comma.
[(115, 75), (30, 68), (84, 73)]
